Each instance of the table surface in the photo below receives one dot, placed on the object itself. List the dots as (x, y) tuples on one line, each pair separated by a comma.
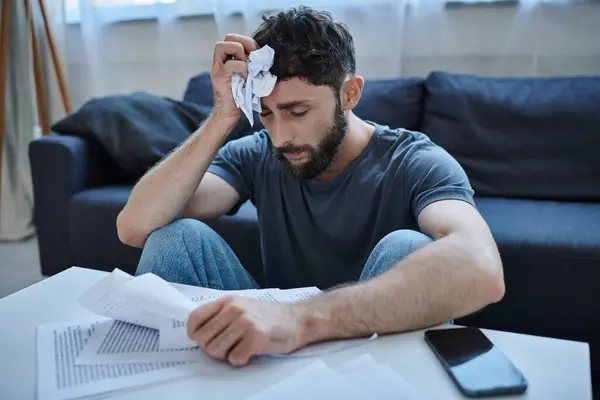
[(555, 369)]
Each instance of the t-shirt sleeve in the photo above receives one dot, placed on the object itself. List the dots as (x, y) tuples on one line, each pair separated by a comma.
[(432, 175), (237, 162)]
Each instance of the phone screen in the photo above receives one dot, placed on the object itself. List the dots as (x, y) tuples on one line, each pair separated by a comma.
[(475, 364)]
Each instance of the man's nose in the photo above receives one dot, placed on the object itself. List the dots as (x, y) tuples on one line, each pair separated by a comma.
[(280, 134)]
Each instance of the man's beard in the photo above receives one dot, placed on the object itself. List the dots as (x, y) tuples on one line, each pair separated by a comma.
[(319, 158)]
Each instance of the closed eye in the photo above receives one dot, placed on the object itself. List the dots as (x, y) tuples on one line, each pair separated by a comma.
[(300, 114), (265, 114)]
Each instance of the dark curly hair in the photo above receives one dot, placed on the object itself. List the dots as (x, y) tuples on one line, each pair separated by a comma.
[(308, 44)]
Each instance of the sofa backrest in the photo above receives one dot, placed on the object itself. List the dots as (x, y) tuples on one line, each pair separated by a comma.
[(519, 137), (397, 103), (199, 90)]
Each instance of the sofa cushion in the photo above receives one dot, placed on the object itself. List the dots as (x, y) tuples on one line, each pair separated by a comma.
[(551, 256), (561, 229), (95, 244), (93, 230), (519, 137), (397, 103), (199, 90)]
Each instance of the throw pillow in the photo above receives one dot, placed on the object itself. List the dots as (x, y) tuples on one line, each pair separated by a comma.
[(519, 137), (136, 130), (397, 103)]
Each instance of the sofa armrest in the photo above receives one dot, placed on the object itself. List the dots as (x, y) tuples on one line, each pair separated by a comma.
[(60, 167)]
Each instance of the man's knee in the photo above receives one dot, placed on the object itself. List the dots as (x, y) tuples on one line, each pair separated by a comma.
[(168, 246), (393, 248), (402, 242), (176, 231)]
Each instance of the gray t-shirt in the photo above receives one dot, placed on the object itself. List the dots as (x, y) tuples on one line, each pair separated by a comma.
[(321, 233)]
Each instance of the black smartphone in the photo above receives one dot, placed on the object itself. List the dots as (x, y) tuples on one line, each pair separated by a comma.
[(475, 365)]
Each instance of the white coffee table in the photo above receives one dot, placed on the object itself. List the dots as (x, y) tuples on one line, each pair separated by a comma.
[(555, 369)]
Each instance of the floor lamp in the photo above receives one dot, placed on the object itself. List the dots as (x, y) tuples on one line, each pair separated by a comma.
[(37, 73)]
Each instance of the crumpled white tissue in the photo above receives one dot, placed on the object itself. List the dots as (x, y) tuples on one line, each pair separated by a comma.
[(259, 83)]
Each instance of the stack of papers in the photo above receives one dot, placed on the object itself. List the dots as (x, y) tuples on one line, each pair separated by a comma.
[(139, 337), (360, 379)]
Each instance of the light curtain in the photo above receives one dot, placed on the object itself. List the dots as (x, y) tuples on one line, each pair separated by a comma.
[(392, 38), (21, 121), (16, 199)]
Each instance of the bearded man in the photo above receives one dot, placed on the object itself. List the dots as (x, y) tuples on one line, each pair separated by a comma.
[(379, 217)]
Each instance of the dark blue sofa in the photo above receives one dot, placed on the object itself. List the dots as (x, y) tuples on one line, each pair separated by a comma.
[(530, 146)]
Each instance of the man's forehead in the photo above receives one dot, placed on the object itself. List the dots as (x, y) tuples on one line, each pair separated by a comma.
[(293, 90)]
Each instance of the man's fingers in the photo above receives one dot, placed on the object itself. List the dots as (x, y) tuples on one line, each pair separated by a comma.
[(202, 314), (236, 67), (248, 43), (226, 50), (214, 326), (219, 347), (244, 350)]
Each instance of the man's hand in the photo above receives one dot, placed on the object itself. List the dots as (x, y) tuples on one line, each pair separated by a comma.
[(230, 57), (236, 328)]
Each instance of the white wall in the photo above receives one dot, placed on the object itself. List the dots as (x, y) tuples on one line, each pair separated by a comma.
[(486, 40)]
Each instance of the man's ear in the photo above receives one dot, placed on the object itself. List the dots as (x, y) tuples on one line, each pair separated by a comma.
[(351, 91)]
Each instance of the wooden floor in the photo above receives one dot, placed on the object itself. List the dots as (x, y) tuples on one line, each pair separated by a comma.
[(19, 266)]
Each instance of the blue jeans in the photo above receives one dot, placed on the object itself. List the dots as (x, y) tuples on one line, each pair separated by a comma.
[(189, 251)]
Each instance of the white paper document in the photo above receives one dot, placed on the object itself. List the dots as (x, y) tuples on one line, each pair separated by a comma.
[(145, 300), (140, 337), (149, 320), (59, 378), (360, 379), (118, 342), (259, 83), (366, 373)]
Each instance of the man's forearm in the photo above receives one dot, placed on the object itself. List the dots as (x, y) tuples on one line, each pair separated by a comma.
[(162, 193), (442, 281)]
